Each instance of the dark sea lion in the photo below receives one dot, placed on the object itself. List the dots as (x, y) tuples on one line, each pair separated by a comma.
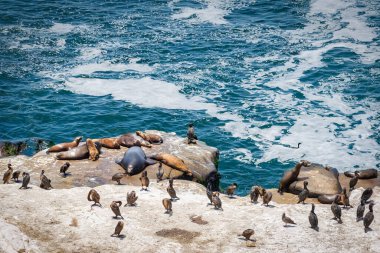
[(119, 227), (172, 161), (336, 210), (8, 174), (111, 143), (287, 220), (78, 153), (363, 174), (134, 161), (354, 180), (313, 219), (231, 189), (291, 175), (366, 194), (128, 140), (25, 180), (191, 136), (65, 146), (151, 138), (326, 199), (332, 170), (368, 218), (304, 193), (247, 234), (16, 175), (360, 211)]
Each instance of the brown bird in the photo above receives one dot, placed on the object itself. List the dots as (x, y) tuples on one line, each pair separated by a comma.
[(267, 197), (160, 172), (25, 180), (247, 234), (117, 177), (144, 181), (171, 191), (64, 168), (216, 201), (167, 205), (255, 193), (118, 228), (231, 189), (15, 175), (115, 209), (93, 195), (8, 174), (345, 199), (131, 198), (287, 220), (354, 180), (45, 182), (368, 218), (191, 136)]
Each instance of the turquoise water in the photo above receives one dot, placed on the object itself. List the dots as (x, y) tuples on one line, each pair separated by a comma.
[(255, 77)]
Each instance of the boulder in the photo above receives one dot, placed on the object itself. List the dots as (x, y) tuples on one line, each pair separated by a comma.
[(321, 181), (200, 158)]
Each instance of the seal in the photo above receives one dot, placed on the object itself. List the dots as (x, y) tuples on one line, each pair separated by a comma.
[(363, 174), (326, 199), (65, 146), (111, 143), (134, 161), (291, 175), (128, 140), (151, 138), (78, 153), (332, 170), (172, 161)]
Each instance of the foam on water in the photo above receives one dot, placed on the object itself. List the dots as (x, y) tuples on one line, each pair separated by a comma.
[(61, 28), (107, 66)]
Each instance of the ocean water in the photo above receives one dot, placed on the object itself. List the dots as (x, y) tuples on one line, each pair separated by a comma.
[(255, 77)]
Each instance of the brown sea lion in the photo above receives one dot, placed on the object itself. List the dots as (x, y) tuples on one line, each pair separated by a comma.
[(128, 140), (231, 189), (172, 161), (363, 174), (92, 150), (115, 208), (291, 175), (119, 227), (111, 143), (151, 138), (287, 220), (65, 146), (78, 153), (327, 199), (8, 174), (93, 195)]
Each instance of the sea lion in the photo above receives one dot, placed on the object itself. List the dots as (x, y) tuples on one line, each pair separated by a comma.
[(172, 161), (25, 180), (366, 194), (144, 181), (287, 220), (216, 201), (363, 174), (231, 189), (151, 138), (160, 173), (118, 228), (93, 195), (111, 143), (65, 146), (128, 140), (167, 205), (191, 136), (326, 198), (131, 198), (8, 174), (291, 175), (267, 197), (117, 177), (134, 161), (360, 211), (354, 180), (247, 234), (15, 175), (171, 191), (332, 170), (368, 218), (45, 182), (64, 168), (115, 209), (78, 153), (336, 210), (304, 193), (255, 193), (313, 219), (92, 150)]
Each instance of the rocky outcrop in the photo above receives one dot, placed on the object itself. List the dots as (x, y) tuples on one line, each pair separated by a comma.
[(61, 220), (199, 158), (321, 181)]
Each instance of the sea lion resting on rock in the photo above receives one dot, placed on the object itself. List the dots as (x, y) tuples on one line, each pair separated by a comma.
[(78, 153), (363, 174), (151, 138), (291, 175), (328, 199), (134, 161), (128, 140), (111, 143), (172, 161), (65, 146)]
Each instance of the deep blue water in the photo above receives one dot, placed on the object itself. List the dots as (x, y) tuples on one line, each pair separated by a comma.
[(256, 77)]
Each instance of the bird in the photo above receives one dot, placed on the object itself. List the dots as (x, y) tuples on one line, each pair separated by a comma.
[(171, 191), (191, 136), (368, 218), (167, 203), (360, 211), (287, 220), (15, 175), (160, 173), (25, 180), (247, 234), (45, 182), (8, 174), (313, 219), (231, 189), (209, 193), (255, 193), (366, 194), (144, 181), (345, 199), (115, 208), (216, 201), (131, 198), (64, 168), (304, 193), (354, 180), (336, 210), (267, 197), (117, 177), (118, 228)]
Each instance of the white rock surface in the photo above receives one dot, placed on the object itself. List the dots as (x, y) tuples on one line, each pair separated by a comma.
[(44, 219)]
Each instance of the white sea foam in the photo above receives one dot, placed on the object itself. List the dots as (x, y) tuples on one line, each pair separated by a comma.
[(61, 28), (90, 53), (243, 155), (107, 66)]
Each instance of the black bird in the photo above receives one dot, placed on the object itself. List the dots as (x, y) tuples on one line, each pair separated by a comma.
[(366, 194), (360, 211), (368, 218), (336, 210), (313, 219), (354, 180)]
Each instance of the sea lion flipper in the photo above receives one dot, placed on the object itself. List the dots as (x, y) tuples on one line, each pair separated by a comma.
[(150, 161)]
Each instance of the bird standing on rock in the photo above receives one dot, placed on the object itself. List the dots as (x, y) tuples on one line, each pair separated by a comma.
[(255, 193), (15, 175), (160, 173), (45, 182), (360, 211), (167, 203), (25, 180), (354, 180), (345, 199), (8, 174), (171, 191), (313, 219), (191, 136), (368, 218), (144, 180), (287, 220), (304, 193), (247, 234), (131, 198), (366, 194), (336, 210), (231, 189), (64, 168), (119, 227), (267, 197), (117, 177), (217, 202), (115, 208), (93, 195)]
